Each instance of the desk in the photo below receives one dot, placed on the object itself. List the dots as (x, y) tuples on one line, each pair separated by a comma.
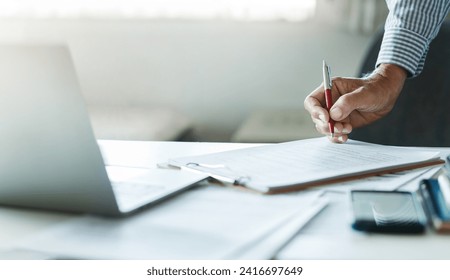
[(328, 236)]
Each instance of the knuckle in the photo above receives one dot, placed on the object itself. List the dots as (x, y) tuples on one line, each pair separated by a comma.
[(336, 79)]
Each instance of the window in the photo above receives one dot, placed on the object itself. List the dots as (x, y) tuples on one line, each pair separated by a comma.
[(245, 10)]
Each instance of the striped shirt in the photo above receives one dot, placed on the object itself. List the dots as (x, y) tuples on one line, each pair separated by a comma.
[(410, 27)]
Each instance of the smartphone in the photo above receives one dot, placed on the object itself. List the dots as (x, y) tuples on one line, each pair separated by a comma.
[(387, 211)]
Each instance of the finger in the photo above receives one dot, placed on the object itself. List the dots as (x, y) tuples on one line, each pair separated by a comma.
[(338, 139), (315, 99), (347, 128), (342, 128), (322, 128), (339, 128), (348, 103), (319, 115)]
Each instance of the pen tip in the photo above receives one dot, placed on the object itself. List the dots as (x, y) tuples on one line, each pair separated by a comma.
[(332, 135)]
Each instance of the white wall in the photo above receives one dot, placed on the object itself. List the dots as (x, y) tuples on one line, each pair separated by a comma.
[(216, 72)]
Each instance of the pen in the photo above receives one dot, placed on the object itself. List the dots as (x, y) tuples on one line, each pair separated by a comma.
[(327, 87)]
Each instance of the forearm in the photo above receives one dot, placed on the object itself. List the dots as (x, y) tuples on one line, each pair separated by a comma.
[(410, 27)]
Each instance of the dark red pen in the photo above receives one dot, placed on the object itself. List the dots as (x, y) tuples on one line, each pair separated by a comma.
[(328, 100)]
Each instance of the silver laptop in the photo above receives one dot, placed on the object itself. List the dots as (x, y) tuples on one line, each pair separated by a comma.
[(49, 157)]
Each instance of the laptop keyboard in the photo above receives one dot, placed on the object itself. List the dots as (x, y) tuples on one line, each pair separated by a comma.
[(132, 194), (135, 187)]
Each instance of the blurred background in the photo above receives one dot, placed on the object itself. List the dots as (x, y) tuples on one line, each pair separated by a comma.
[(199, 70)]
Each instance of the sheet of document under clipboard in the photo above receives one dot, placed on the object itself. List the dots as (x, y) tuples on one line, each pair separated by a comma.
[(305, 163)]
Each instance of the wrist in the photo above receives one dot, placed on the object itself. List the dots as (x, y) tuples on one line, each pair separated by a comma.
[(392, 72), (387, 82), (392, 76)]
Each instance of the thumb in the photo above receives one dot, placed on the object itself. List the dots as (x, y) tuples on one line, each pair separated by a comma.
[(348, 103)]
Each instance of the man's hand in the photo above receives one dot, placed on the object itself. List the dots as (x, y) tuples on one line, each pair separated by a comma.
[(357, 102)]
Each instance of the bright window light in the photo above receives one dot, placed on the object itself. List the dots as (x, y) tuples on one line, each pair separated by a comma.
[(289, 10)]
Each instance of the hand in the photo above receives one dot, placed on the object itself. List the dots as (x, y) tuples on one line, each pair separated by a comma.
[(357, 102)]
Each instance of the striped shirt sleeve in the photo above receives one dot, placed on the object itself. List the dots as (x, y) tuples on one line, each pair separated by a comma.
[(410, 27)]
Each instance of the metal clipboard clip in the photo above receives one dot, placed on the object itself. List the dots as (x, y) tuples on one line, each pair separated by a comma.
[(230, 176)]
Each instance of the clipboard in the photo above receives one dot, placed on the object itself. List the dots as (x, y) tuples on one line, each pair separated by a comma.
[(298, 165)]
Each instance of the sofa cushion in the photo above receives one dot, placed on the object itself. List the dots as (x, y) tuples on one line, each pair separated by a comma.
[(138, 123)]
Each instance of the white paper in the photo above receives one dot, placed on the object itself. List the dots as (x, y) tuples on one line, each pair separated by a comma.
[(385, 182), (303, 161), (203, 223), (267, 244)]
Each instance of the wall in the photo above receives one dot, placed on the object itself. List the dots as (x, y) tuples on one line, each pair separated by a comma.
[(356, 16), (215, 72)]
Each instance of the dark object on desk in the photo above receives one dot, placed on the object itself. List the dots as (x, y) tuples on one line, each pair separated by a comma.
[(425, 98), (387, 212), (435, 193)]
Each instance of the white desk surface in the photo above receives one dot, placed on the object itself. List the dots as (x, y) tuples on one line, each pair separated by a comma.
[(327, 236), (18, 224)]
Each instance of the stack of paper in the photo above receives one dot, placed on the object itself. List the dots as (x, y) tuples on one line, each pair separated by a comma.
[(305, 163)]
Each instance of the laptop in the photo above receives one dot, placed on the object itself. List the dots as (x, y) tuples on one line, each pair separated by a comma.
[(49, 157)]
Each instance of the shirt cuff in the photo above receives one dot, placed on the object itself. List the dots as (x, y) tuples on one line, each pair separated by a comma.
[(404, 48)]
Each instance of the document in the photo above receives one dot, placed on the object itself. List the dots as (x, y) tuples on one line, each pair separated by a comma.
[(408, 179), (305, 163), (268, 243), (207, 222)]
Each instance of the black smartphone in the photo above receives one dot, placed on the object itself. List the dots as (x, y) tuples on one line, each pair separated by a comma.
[(387, 211)]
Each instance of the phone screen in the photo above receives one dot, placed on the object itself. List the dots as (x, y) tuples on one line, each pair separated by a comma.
[(382, 211)]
